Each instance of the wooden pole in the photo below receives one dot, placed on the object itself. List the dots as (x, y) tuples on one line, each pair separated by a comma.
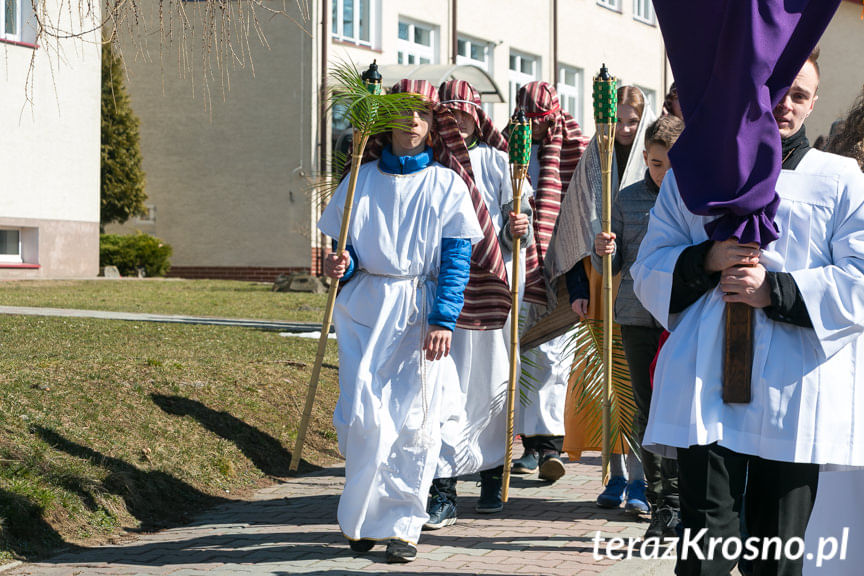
[(607, 133), (517, 177), (358, 146)]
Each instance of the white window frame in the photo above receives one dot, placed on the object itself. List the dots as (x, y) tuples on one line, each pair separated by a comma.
[(12, 258), (149, 217), (408, 49), (643, 11), (487, 64), (337, 28), (16, 37), (571, 92), (517, 78), (614, 5)]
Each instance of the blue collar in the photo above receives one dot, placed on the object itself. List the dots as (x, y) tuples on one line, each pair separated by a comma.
[(392, 164)]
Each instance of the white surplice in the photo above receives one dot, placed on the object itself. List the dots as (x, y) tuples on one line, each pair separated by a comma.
[(807, 391), (473, 426), (387, 416)]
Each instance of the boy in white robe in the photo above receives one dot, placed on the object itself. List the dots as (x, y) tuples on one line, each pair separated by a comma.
[(807, 289), (405, 269), (473, 425)]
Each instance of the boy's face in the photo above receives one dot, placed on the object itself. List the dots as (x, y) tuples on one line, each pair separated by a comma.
[(466, 124), (539, 128), (628, 125), (657, 159), (798, 102), (411, 137)]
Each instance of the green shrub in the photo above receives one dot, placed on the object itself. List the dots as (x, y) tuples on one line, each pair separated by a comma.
[(133, 251)]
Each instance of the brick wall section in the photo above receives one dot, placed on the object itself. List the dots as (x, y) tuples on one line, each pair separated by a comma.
[(251, 273)]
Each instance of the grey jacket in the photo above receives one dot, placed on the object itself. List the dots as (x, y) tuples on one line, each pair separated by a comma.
[(630, 212)]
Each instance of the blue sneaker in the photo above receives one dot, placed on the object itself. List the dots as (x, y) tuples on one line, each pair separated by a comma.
[(442, 512), (636, 500), (613, 495)]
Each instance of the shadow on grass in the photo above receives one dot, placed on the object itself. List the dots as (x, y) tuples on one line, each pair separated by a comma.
[(154, 498), (265, 451), (23, 530)]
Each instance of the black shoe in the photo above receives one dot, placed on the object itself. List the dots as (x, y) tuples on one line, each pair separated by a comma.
[(551, 467), (527, 464), (362, 545), (490, 494), (400, 552), (664, 520), (442, 512)]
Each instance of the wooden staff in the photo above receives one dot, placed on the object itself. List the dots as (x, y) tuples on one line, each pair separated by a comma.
[(520, 155), (372, 80), (605, 118)]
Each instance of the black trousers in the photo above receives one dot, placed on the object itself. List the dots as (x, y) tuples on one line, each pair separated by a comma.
[(715, 483), (661, 474), (543, 443)]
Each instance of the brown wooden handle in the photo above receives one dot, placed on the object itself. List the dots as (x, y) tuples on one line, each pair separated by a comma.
[(738, 353)]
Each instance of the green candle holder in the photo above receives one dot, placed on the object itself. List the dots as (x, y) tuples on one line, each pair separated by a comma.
[(605, 97)]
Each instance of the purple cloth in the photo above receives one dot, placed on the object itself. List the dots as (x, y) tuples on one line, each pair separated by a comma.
[(733, 61)]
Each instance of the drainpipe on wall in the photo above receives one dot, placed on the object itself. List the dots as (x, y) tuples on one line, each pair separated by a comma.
[(555, 43), (454, 36), (324, 153)]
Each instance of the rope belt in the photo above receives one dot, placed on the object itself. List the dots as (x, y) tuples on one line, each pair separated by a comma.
[(419, 283)]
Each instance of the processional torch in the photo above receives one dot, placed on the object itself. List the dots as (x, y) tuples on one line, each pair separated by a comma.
[(520, 155), (364, 114), (605, 118)]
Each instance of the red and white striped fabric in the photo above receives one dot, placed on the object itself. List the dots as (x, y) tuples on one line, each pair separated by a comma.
[(487, 296), (560, 152)]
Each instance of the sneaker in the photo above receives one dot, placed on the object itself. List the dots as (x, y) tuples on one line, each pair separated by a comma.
[(663, 524), (551, 467), (400, 552), (527, 464), (490, 494), (613, 495), (637, 502), (442, 512), (362, 545)]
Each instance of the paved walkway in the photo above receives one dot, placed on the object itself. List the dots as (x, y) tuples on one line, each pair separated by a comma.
[(291, 528), (295, 327)]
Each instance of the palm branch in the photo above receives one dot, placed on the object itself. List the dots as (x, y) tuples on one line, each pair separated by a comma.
[(587, 379)]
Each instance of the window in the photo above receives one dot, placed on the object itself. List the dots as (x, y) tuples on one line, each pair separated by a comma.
[(570, 90), (10, 246), (416, 43), (477, 53), (611, 4), (523, 69), (353, 20), (643, 11), (10, 20), (149, 217)]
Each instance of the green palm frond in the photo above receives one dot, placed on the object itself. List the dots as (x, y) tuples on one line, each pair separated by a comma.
[(588, 380), (368, 114)]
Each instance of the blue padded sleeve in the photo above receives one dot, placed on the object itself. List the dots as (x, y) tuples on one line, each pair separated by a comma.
[(351, 267), (452, 280), (577, 283)]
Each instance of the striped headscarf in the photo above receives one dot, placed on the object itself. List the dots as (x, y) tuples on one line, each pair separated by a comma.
[(487, 296), (560, 152)]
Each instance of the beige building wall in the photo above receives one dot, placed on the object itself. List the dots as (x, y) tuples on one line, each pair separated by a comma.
[(50, 119), (229, 172), (842, 70)]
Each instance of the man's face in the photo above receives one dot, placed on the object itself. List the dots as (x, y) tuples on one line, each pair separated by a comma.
[(657, 158), (628, 124), (411, 137), (798, 102), (466, 124)]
